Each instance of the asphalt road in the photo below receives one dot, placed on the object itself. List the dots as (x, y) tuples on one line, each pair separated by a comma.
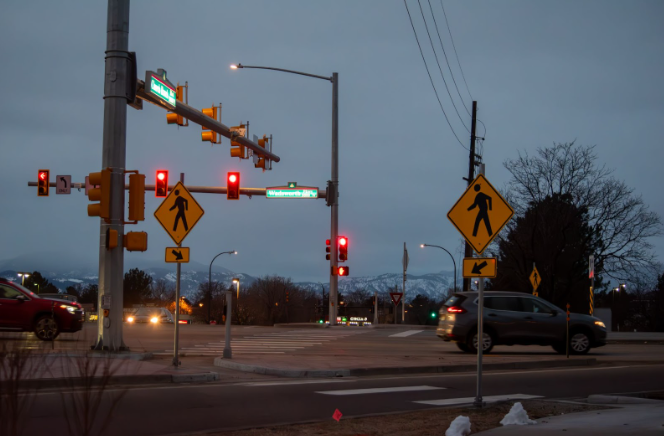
[(173, 409)]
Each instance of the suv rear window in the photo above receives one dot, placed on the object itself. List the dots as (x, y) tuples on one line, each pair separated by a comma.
[(454, 300)]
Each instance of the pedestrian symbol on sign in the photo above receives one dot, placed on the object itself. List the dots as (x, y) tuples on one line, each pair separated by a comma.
[(182, 205), (482, 202)]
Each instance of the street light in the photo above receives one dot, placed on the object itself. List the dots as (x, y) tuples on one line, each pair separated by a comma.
[(333, 184), (23, 275), (453, 261), (210, 281), (237, 282)]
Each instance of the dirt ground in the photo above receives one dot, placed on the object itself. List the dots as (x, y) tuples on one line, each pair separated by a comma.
[(425, 423)]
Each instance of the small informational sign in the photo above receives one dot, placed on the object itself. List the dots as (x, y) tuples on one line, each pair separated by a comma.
[(286, 192), (177, 254), (106, 302), (63, 184), (479, 267)]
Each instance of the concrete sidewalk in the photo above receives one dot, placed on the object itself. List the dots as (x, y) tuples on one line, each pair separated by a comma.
[(643, 418)]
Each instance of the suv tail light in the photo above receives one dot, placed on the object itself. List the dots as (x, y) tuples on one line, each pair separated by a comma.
[(456, 309)]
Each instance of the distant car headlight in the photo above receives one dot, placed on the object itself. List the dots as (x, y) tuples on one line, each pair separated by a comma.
[(130, 319), (600, 324), (70, 309), (154, 320)]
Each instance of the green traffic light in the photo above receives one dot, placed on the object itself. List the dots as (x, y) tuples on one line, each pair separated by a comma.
[(433, 314)]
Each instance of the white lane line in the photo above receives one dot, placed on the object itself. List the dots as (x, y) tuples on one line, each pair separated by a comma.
[(380, 390), (297, 382), (257, 352), (249, 345), (406, 333), (470, 400)]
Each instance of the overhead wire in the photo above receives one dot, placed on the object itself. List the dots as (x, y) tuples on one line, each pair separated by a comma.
[(430, 78), (439, 67), (455, 50), (447, 60)]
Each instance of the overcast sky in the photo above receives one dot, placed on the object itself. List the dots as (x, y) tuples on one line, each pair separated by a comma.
[(542, 72)]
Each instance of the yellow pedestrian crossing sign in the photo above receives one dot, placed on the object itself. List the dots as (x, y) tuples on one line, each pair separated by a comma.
[(535, 278), (179, 213), (480, 214)]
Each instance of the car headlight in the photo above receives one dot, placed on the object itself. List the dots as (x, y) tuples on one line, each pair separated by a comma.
[(130, 319), (600, 324), (154, 320), (70, 309)]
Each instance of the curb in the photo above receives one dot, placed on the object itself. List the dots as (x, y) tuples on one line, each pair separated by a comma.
[(619, 399), (76, 382), (364, 372)]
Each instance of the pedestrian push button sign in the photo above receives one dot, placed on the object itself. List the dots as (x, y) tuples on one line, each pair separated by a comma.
[(179, 213), (480, 214)]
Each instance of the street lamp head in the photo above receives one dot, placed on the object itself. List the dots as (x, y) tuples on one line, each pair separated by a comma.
[(236, 66), (234, 251), (422, 245)]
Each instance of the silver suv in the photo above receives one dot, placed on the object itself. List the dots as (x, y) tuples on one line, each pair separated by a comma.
[(512, 318)]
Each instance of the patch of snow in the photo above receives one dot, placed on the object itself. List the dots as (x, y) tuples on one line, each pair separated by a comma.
[(459, 427), (517, 416)]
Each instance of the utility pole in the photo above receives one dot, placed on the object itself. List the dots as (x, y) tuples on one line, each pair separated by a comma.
[(334, 208), (111, 262), (471, 175)]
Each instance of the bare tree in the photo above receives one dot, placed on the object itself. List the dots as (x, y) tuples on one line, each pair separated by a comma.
[(614, 211)]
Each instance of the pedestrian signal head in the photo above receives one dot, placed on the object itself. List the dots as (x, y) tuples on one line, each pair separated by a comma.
[(342, 271)]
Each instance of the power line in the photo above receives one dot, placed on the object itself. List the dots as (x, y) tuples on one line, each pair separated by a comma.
[(430, 79), (446, 60), (439, 68), (455, 50)]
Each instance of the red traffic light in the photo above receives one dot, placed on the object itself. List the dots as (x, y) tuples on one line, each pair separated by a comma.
[(161, 186), (342, 245), (233, 186), (343, 271), (42, 183)]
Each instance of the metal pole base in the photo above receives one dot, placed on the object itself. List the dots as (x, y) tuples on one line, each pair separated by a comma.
[(227, 353), (479, 403)]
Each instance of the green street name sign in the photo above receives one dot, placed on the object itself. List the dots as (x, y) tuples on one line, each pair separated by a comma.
[(161, 89), (284, 192)]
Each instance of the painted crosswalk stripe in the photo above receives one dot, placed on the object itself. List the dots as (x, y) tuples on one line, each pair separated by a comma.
[(406, 333), (470, 400), (380, 390)]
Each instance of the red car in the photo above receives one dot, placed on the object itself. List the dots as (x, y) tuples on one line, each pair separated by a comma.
[(23, 310)]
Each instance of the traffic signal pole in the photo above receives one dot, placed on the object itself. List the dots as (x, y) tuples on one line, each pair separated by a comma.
[(334, 208), (111, 262)]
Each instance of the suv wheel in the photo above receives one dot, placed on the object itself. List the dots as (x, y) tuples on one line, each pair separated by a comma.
[(46, 328), (487, 343), (579, 343)]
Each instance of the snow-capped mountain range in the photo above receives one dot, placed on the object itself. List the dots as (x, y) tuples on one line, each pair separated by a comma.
[(57, 272)]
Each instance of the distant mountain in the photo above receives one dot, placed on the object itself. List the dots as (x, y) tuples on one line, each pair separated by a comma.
[(51, 267)]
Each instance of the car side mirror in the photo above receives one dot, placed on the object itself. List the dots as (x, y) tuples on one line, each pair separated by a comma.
[(21, 298), (554, 312)]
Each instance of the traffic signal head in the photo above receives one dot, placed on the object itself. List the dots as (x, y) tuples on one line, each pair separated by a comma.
[(237, 149), (233, 186), (161, 184), (209, 135), (136, 241), (263, 142), (328, 248), (43, 181), (101, 193), (342, 243), (136, 197), (173, 118)]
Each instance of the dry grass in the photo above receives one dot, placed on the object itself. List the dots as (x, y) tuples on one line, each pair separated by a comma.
[(425, 423)]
